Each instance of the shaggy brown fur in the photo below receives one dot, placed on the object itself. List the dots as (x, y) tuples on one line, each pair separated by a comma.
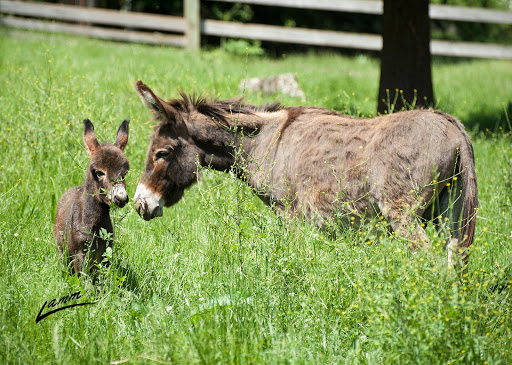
[(84, 210), (314, 162)]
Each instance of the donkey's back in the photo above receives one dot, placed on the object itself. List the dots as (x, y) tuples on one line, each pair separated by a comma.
[(403, 165)]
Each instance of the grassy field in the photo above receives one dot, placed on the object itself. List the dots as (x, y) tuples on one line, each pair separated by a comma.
[(220, 278)]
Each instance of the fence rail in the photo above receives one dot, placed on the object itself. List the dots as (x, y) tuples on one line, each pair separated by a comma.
[(437, 11), (148, 28)]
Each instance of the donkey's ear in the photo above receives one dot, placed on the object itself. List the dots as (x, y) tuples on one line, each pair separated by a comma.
[(160, 108), (122, 135), (90, 140)]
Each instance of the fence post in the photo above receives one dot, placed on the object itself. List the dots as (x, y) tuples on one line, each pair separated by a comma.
[(193, 24)]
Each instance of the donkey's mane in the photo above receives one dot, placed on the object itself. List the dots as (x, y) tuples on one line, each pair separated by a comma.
[(224, 110), (220, 110)]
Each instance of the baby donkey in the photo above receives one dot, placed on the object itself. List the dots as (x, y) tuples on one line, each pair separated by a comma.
[(85, 210)]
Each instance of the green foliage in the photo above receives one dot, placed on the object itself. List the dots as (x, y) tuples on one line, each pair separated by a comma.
[(241, 47), (232, 13), (220, 278)]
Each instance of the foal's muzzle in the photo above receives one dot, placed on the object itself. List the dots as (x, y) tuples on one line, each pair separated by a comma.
[(118, 195), (147, 203)]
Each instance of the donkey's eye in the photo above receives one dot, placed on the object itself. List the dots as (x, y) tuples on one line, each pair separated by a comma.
[(162, 154), (99, 173)]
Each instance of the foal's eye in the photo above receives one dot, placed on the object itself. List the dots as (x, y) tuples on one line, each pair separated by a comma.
[(99, 173), (162, 154)]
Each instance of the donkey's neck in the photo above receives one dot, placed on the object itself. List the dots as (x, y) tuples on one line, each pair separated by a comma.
[(221, 142)]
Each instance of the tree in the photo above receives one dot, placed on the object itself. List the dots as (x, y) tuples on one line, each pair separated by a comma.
[(405, 76)]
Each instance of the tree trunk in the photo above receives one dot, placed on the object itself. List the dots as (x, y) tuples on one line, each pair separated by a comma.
[(405, 74)]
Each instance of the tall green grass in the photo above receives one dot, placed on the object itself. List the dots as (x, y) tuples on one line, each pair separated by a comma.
[(220, 278)]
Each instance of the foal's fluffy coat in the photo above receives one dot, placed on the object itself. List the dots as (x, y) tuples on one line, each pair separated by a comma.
[(84, 211)]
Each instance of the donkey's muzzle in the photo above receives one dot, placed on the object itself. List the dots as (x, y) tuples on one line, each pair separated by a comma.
[(148, 204), (119, 196)]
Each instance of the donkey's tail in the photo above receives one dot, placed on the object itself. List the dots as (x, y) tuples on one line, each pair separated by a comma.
[(466, 170)]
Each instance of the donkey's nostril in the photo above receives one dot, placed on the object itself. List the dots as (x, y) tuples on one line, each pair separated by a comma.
[(139, 206), (148, 203), (119, 196), (121, 202)]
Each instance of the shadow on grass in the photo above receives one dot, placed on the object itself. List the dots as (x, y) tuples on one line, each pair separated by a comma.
[(129, 280), (489, 120), (449, 60), (502, 282)]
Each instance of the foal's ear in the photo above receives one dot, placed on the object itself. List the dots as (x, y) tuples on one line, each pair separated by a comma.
[(160, 109), (122, 135), (90, 140)]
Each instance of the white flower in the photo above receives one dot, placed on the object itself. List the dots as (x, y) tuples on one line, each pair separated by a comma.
[(16, 235)]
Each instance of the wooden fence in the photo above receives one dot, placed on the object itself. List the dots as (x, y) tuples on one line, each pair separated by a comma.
[(186, 31)]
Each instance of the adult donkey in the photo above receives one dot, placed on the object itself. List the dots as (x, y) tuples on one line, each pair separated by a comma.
[(315, 162)]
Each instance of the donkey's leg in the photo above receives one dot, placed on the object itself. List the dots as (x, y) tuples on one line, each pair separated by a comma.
[(410, 228), (405, 223), (448, 218), (78, 261)]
